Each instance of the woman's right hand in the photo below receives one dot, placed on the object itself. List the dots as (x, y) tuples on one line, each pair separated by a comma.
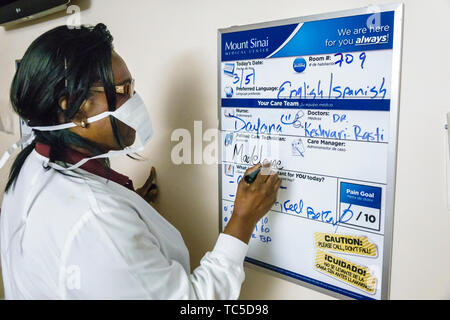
[(253, 201)]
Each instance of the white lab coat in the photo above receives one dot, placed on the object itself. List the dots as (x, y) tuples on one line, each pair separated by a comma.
[(79, 236)]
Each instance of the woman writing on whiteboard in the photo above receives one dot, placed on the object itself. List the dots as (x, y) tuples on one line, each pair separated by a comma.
[(71, 227)]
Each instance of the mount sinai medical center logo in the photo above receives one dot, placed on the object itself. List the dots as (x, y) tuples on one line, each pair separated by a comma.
[(252, 45)]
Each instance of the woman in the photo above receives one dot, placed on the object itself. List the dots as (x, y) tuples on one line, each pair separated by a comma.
[(71, 227)]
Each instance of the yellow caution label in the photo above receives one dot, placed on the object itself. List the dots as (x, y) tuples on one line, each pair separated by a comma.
[(345, 244), (344, 270)]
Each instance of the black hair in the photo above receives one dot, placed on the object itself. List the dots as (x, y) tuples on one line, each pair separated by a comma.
[(62, 62)]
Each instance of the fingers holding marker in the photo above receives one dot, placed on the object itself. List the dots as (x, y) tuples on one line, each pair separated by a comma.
[(252, 169), (263, 174), (259, 174), (276, 186), (272, 178), (251, 174)]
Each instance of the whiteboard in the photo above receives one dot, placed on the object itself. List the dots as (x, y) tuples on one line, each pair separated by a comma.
[(318, 96)]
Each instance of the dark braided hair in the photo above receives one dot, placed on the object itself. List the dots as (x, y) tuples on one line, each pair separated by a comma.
[(62, 62)]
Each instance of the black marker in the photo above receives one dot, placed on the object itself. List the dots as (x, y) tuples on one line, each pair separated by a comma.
[(252, 176)]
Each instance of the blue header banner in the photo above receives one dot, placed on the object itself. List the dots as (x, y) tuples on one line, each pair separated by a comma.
[(328, 104), (347, 34)]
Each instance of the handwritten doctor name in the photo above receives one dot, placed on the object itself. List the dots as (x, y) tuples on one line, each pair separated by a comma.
[(258, 126)]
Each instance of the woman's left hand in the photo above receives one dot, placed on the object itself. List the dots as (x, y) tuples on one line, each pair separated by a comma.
[(149, 190)]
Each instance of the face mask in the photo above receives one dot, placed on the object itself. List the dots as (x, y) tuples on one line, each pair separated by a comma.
[(133, 113)]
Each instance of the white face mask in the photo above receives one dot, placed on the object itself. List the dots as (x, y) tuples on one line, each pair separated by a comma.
[(133, 113)]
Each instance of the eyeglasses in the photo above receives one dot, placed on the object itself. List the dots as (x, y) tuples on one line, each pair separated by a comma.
[(125, 89)]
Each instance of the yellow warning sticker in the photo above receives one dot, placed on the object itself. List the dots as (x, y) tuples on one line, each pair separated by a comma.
[(344, 270), (358, 245)]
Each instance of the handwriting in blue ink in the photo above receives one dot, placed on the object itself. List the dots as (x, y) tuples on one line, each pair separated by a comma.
[(348, 59), (335, 90), (258, 127)]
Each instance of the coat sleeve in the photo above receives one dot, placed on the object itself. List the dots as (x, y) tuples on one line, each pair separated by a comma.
[(116, 256)]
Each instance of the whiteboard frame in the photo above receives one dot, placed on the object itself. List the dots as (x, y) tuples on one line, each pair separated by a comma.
[(398, 8)]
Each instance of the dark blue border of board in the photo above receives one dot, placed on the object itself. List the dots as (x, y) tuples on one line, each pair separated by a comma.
[(310, 103), (308, 279)]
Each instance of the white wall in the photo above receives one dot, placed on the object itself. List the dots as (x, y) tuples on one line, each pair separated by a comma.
[(171, 49)]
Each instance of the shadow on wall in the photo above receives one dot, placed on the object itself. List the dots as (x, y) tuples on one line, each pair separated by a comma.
[(7, 117), (188, 192)]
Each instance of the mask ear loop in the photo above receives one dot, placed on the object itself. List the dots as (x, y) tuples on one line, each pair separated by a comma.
[(24, 141), (65, 72)]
